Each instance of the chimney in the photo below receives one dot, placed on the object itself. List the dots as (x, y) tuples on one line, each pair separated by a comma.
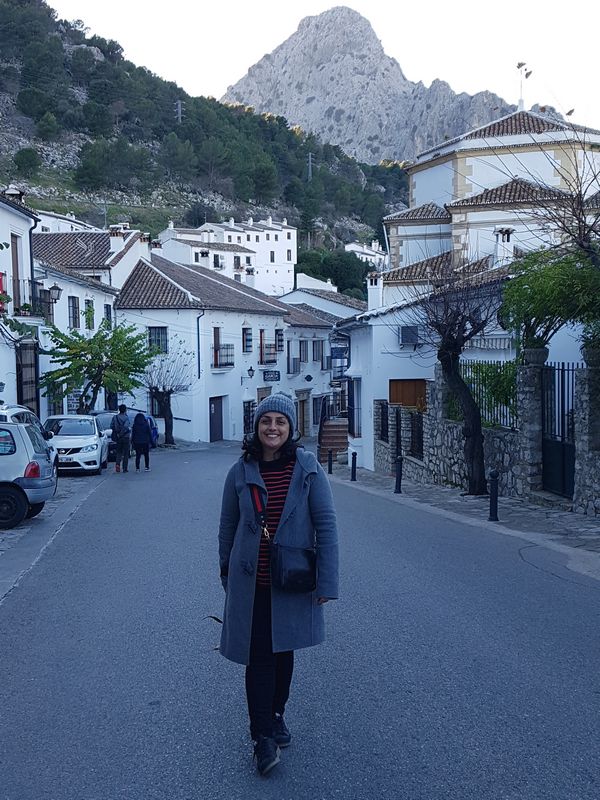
[(284, 221), (231, 222), (171, 225), (250, 221), (374, 290), (116, 238), (14, 194), (156, 244), (270, 221)]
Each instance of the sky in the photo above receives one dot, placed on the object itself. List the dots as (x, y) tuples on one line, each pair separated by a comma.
[(473, 45)]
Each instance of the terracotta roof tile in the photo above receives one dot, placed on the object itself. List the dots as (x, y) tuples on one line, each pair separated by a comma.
[(303, 316), (515, 191), (225, 246), (79, 249), (433, 269), (336, 297), (163, 284), (317, 312), (518, 123), (428, 211)]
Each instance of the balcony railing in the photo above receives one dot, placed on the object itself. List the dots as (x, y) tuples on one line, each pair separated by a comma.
[(268, 354), (222, 356), (293, 366)]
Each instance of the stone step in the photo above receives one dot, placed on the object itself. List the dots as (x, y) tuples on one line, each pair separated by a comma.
[(550, 500)]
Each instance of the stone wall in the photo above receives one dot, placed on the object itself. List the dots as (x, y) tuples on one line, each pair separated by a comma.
[(586, 497), (516, 454)]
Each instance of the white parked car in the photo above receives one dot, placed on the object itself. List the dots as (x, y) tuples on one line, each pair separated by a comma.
[(14, 413), (79, 441), (28, 474)]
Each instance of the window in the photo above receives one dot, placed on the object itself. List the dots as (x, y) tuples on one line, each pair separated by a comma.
[(276, 237), (216, 264), (248, 261), (3, 289), (247, 237), (108, 314), (196, 257), (289, 235), (158, 340), (237, 262), (272, 256), (155, 407), (258, 238), (73, 303), (237, 277), (279, 339), (239, 239), (228, 238), (289, 255), (268, 236), (317, 350), (246, 340), (316, 410), (304, 350), (89, 315)]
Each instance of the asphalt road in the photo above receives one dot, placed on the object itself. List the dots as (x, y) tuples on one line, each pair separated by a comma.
[(460, 663)]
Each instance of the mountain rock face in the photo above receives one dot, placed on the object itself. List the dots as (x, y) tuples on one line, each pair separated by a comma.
[(333, 78)]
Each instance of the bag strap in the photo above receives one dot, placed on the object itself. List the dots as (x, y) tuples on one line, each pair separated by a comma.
[(259, 510)]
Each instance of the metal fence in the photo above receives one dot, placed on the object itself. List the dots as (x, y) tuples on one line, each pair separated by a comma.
[(493, 384)]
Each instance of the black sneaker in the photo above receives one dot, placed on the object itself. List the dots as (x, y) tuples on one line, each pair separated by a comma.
[(266, 754), (280, 731)]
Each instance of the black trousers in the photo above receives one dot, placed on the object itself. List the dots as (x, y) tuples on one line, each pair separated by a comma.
[(268, 674), (142, 450)]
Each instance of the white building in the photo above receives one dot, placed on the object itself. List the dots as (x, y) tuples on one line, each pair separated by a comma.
[(51, 222), (473, 205), (241, 345), (374, 255), (261, 253), (18, 351)]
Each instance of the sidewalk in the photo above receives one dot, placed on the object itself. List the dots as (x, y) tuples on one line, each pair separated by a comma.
[(566, 528)]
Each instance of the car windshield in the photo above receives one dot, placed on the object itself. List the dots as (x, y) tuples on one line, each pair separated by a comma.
[(104, 420), (70, 426)]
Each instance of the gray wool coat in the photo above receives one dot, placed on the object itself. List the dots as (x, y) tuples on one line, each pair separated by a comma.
[(308, 516)]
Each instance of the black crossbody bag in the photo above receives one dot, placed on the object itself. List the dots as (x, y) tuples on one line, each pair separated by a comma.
[(293, 569)]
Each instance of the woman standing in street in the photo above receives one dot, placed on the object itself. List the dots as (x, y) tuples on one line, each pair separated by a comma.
[(277, 502), (141, 438)]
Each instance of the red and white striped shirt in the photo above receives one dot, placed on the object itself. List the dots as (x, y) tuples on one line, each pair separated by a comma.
[(277, 476)]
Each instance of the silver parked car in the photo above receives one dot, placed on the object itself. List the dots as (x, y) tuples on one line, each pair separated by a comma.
[(28, 473)]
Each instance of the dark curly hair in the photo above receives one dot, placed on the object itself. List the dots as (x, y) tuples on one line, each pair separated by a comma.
[(252, 447)]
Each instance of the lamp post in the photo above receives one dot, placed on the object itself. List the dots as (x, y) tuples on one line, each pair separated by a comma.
[(251, 371)]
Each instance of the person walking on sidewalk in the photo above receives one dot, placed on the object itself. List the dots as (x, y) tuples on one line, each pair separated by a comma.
[(141, 438), (275, 494), (121, 432)]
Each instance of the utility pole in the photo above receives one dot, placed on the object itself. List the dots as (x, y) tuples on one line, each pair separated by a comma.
[(310, 158), (179, 110)]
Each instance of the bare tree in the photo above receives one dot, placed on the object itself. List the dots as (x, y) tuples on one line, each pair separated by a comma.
[(460, 307), (168, 374)]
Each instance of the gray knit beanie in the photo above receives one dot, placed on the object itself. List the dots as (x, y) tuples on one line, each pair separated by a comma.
[(280, 403)]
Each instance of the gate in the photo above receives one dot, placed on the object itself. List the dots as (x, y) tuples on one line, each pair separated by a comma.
[(558, 428)]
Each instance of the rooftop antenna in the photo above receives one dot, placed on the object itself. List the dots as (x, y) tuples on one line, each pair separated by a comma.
[(524, 73)]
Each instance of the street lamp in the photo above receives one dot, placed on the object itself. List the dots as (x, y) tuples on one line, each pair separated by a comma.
[(250, 372), (55, 292)]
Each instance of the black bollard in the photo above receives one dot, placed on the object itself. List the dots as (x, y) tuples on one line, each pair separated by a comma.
[(398, 489), (330, 461), (353, 473), (494, 474)]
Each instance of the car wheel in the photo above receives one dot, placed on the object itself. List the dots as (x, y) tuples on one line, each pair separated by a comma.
[(34, 510), (13, 507)]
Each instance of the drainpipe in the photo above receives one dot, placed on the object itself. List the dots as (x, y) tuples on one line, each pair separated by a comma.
[(198, 318)]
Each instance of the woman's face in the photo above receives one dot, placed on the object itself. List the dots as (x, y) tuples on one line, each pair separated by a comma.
[(273, 433)]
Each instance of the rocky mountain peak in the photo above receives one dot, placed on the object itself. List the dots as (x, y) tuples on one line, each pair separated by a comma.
[(333, 78)]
